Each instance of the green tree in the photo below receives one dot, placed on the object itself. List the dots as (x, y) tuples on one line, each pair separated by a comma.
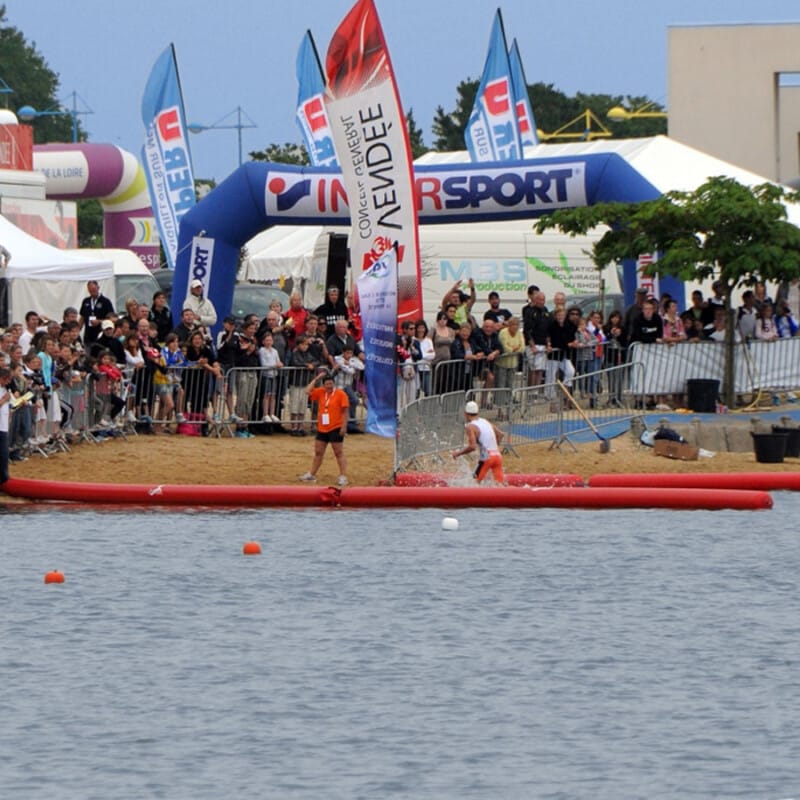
[(415, 136), (33, 83), (288, 153), (90, 223), (722, 230)]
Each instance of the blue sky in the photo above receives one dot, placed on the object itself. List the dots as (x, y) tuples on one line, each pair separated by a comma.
[(242, 53)]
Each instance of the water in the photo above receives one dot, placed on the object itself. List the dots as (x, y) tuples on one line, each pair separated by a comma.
[(536, 654)]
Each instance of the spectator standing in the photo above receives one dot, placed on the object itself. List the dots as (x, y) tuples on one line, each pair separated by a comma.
[(512, 346), (462, 301), (499, 316), (160, 314), (333, 309), (202, 308), (270, 362), (295, 319), (94, 309), (486, 344), (746, 315), (633, 312), (427, 355), (535, 322), (766, 329), (108, 341), (303, 365), (560, 343), (442, 340)]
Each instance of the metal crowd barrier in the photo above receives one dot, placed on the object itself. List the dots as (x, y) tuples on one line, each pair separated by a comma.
[(430, 428), (245, 389), (758, 366)]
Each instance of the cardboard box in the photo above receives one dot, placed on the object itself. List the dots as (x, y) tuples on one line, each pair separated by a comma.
[(679, 450)]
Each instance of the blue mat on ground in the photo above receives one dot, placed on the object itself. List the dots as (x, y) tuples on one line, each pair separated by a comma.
[(576, 430)]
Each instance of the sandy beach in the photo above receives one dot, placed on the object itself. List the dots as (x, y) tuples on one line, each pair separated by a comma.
[(279, 459)]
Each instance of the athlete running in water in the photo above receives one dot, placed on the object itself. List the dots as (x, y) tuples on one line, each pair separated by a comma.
[(484, 436)]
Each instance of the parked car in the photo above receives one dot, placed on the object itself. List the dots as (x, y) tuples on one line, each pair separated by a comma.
[(591, 302), (248, 298)]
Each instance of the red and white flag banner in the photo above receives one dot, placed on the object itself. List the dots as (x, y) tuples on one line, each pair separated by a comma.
[(371, 142)]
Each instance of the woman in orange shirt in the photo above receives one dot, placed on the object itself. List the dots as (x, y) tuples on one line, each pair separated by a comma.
[(332, 412)]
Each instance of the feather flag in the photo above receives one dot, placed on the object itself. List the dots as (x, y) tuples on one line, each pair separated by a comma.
[(492, 132), (166, 158), (372, 146), (311, 115)]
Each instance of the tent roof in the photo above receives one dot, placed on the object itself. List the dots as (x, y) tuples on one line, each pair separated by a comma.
[(282, 251), (36, 260), (665, 163)]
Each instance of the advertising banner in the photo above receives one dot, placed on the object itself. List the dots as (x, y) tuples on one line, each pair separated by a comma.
[(371, 140), (492, 132), (377, 296), (165, 155), (525, 119), (311, 115)]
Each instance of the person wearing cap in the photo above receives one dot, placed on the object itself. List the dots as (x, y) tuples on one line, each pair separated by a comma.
[(202, 308), (94, 309), (334, 307), (332, 406), (485, 437), (108, 341), (500, 316)]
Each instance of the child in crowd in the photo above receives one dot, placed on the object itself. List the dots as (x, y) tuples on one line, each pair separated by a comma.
[(167, 380), (108, 379), (585, 345), (270, 361)]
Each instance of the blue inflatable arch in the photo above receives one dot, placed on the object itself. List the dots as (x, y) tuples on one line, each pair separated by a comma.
[(260, 194)]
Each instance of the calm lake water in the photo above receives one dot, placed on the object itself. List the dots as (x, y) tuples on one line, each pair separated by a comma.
[(530, 654)]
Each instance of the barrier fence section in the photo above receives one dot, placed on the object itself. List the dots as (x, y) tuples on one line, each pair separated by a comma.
[(254, 395), (430, 428), (758, 366)]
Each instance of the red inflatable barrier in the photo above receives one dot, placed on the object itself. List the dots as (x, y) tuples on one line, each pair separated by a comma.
[(387, 496), (555, 497), (513, 479), (766, 481), (169, 494)]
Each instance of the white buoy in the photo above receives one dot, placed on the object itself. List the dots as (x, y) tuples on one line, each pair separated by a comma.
[(449, 524)]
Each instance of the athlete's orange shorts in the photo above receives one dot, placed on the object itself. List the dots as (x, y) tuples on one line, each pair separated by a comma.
[(494, 463)]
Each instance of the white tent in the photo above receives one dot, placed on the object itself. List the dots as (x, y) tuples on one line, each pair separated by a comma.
[(666, 163), (281, 252), (43, 278)]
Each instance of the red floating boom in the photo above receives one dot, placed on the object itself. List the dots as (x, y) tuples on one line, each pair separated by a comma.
[(766, 481), (388, 496), (512, 478)]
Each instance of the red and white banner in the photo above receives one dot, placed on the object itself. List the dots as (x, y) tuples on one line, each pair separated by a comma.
[(371, 142)]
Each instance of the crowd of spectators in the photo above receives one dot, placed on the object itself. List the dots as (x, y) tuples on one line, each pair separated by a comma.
[(147, 369)]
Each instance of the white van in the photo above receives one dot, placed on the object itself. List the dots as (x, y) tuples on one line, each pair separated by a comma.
[(504, 257)]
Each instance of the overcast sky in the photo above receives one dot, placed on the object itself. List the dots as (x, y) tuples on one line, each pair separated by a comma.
[(242, 53)]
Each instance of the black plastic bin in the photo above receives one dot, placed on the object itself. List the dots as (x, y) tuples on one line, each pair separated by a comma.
[(701, 395), (792, 441), (770, 448)]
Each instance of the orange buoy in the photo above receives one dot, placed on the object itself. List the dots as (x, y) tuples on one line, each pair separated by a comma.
[(54, 576), (251, 549)]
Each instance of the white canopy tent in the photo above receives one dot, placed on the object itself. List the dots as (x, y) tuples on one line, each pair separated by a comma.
[(43, 278), (281, 252)]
